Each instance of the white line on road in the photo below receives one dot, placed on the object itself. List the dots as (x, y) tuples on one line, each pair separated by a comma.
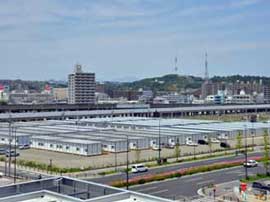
[(146, 189), (194, 179), (159, 192), (205, 182)]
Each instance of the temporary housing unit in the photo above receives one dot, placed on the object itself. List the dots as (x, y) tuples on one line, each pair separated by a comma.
[(21, 139), (72, 146), (108, 144)]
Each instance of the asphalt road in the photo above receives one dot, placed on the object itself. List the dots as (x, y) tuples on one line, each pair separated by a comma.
[(23, 173), (187, 186), (122, 176)]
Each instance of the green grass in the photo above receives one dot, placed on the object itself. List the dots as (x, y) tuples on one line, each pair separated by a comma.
[(256, 177)]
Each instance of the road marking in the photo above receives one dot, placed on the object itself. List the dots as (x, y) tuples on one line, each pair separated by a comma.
[(146, 189), (205, 182), (194, 179), (160, 191), (237, 171)]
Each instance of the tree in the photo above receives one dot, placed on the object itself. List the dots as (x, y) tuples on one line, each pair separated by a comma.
[(266, 162), (239, 139), (177, 151)]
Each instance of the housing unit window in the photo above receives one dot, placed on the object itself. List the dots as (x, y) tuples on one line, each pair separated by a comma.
[(67, 147), (51, 145), (77, 149), (3, 139)]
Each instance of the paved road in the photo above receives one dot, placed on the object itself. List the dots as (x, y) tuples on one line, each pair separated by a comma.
[(188, 186), (122, 176), (23, 173)]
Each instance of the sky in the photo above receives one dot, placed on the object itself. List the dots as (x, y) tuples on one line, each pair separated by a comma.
[(133, 39)]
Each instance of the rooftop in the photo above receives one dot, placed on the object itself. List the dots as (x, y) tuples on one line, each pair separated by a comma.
[(63, 189)]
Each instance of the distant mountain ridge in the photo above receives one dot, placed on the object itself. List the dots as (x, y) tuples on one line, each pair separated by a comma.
[(174, 82), (169, 82)]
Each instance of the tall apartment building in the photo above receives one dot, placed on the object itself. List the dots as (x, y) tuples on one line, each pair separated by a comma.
[(266, 93), (81, 87)]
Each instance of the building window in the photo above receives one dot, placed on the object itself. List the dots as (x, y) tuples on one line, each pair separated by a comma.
[(67, 147), (3, 139), (77, 149), (51, 145)]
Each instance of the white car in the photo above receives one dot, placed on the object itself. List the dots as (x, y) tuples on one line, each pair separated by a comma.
[(251, 163), (139, 168), (215, 140), (190, 143), (156, 147)]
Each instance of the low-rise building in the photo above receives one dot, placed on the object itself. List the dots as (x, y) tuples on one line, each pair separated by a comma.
[(67, 145), (60, 94), (64, 189), (27, 97)]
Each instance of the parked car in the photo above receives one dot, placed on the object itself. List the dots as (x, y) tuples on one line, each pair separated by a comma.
[(260, 186), (190, 143), (12, 153), (257, 185), (3, 151), (202, 142), (24, 146), (215, 140), (170, 146), (224, 145), (250, 163), (139, 168), (156, 147)]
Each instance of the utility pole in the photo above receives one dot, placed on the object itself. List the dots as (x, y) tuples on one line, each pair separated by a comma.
[(115, 157), (159, 146), (15, 155), (246, 171), (127, 177), (9, 152)]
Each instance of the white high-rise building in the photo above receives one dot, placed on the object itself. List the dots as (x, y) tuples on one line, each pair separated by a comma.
[(81, 87)]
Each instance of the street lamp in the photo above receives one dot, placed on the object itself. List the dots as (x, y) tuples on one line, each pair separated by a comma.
[(15, 151), (10, 147), (253, 135), (159, 146), (245, 131), (127, 177), (115, 158)]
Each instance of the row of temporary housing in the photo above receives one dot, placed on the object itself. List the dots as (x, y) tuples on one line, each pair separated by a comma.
[(70, 137), (67, 145), (51, 137), (223, 129)]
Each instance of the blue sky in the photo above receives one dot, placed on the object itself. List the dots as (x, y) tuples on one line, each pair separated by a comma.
[(43, 39)]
